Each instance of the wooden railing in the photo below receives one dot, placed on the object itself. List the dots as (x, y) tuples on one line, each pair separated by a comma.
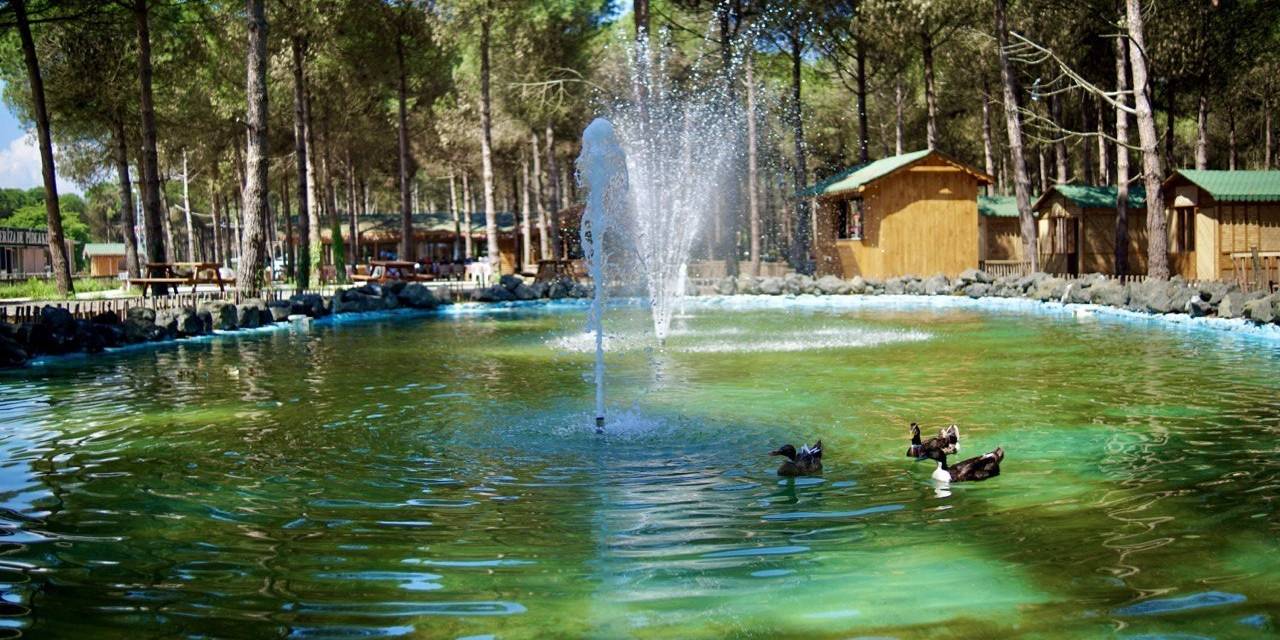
[(29, 312), (1256, 270), (998, 268)]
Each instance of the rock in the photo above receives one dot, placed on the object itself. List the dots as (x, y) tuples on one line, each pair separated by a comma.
[(895, 286), (167, 321), (87, 337), (523, 292), (57, 319), (11, 353), (279, 310), (771, 286), (969, 276), (748, 285), (1216, 291), (873, 286), (111, 335), (418, 296), (798, 283), (580, 290), (359, 299), (559, 289), (223, 315), (937, 285), (1261, 310), (246, 316), (1078, 293), (495, 293), (977, 289), (1231, 305), (1048, 288), (510, 282), (857, 285), (190, 323), (1196, 307), (106, 317), (309, 304), (539, 289), (55, 333), (830, 285), (1111, 294), (727, 286), (1030, 281), (395, 286), (913, 286), (206, 320)]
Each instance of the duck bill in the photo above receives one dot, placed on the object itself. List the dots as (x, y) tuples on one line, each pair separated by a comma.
[(777, 452)]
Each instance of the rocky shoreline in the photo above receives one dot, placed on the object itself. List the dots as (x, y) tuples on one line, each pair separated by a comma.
[(59, 333), (1206, 299)]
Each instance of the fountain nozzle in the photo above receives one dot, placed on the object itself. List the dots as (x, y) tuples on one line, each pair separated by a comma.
[(599, 424)]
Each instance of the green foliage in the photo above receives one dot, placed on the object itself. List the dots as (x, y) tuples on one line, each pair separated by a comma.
[(339, 253), (40, 289)]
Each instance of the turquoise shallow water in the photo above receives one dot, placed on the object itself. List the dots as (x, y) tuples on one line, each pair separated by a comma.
[(437, 477)]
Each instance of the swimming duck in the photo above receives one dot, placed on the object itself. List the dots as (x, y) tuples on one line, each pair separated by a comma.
[(805, 462), (976, 469), (946, 443)]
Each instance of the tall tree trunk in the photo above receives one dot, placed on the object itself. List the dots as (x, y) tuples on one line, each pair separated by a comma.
[(1157, 240), (1268, 149), (402, 97), (864, 137), (249, 277), (899, 105), (120, 151), (640, 14), (1021, 181), (544, 232), (553, 175), (53, 216), (315, 249), (290, 248), (1104, 161), (486, 151), (215, 201), (1202, 132), (729, 204), (930, 95), (186, 207), (800, 241), (1059, 145), (302, 265), (1233, 159), (1169, 120), (1086, 156), (457, 219), (526, 234), (171, 251), (989, 163), (153, 220), (353, 230), (1044, 170), (1122, 158), (468, 208), (753, 171)]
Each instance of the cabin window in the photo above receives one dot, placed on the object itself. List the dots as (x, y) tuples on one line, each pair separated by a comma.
[(1184, 237), (849, 219), (6, 260)]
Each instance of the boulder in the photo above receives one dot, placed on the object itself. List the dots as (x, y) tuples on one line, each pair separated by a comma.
[(1048, 288), (1196, 307), (167, 322), (106, 317), (1232, 305), (913, 286), (510, 282), (87, 337), (830, 285), (246, 316), (580, 290), (12, 354), (279, 310), (937, 285), (857, 285), (190, 323), (1031, 281), (895, 286), (798, 283), (139, 324), (559, 289), (395, 286), (727, 286), (309, 304), (223, 316), (523, 292), (495, 293), (976, 289), (111, 335), (969, 276), (418, 296), (539, 290), (1261, 310), (57, 319), (771, 286), (1110, 293), (1078, 293), (748, 285)]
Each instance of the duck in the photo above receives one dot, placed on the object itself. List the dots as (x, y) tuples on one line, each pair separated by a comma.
[(975, 469), (805, 462), (946, 443)]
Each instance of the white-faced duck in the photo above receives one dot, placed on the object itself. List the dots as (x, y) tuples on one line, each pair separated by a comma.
[(946, 443), (805, 462), (976, 469)]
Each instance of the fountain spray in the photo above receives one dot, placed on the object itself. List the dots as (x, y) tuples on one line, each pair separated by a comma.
[(602, 172)]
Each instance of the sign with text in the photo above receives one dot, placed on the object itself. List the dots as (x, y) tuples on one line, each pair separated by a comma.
[(24, 237)]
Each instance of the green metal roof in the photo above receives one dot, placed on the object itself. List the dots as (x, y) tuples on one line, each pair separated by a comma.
[(103, 249), (858, 175), (1236, 186), (998, 206), (1094, 197)]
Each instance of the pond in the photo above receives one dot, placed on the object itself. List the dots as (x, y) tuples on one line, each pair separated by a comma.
[(437, 476)]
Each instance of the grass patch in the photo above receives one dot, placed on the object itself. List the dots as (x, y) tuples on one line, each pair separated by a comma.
[(38, 289)]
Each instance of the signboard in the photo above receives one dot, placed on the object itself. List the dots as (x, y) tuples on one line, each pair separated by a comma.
[(24, 237)]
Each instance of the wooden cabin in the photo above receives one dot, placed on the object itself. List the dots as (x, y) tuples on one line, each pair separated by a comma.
[(1077, 229), (911, 214), (999, 233), (23, 252), (1224, 225), (105, 259)]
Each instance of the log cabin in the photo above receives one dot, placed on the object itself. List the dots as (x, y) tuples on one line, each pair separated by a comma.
[(910, 214), (1077, 229), (1225, 225), (105, 258), (999, 234)]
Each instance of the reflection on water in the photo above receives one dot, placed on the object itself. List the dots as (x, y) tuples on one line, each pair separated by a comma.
[(438, 477)]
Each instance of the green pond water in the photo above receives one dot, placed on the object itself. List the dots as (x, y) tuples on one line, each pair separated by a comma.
[(437, 477)]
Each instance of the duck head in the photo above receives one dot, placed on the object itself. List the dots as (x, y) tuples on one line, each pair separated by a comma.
[(915, 450), (787, 451)]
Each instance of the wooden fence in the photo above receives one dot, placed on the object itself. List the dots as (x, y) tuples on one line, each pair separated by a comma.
[(29, 312)]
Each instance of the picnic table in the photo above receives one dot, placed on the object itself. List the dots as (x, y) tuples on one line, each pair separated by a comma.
[(183, 273), (382, 271)]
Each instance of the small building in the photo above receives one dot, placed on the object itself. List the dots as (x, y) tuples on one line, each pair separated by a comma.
[(1224, 225), (999, 230), (105, 259), (911, 214), (23, 252), (1077, 229)]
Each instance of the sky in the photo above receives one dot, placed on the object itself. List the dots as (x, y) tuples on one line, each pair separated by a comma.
[(19, 156)]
